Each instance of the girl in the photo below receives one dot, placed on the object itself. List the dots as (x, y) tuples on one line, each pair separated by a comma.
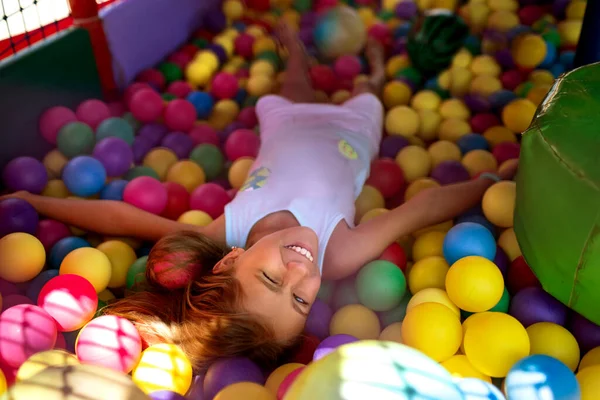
[(256, 270)]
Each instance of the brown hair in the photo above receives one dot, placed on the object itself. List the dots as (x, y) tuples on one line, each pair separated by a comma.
[(205, 318)]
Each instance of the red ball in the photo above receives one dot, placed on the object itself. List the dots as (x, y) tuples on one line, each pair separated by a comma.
[(210, 198), (178, 200), (224, 86), (153, 77), (133, 89), (481, 122), (511, 79), (146, 105), (247, 116), (506, 151), (395, 254), (180, 115), (190, 50), (520, 276), (180, 89), (49, 232), (259, 5), (242, 143), (204, 134), (243, 45), (386, 176), (344, 84), (181, 58), (323, 78), (347, 67), (528, 15), (380, 32), (304, 354)]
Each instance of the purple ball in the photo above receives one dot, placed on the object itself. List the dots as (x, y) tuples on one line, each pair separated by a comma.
[(140, 147), (25, 173), (227, 371), (8, 288), (399, 46), (196, 391), (331, 343), (306, 35), (501, 260), (215, 21), (476, 103), (559, 7), (391, 146), (317, 323), (449, 172), (406, 10), (308, 18), (180, 143), (586, 332), (38, 283), (153, 132), (115, 154), (224, 134), (505, 58), (533, 304), (219, 52), (166, 395), (17, 215)]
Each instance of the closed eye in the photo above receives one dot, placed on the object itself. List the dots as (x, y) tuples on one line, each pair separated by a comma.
[(270, 279)]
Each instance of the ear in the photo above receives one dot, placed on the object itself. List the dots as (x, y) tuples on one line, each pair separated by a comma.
[(228, 261)]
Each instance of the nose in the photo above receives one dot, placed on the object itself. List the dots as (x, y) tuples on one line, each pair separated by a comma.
[(295, 272)]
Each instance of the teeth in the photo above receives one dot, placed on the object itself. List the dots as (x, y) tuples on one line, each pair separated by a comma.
[(303, 251)]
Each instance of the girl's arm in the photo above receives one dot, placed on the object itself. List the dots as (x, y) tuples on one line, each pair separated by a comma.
[(112, 218), (353, 248)]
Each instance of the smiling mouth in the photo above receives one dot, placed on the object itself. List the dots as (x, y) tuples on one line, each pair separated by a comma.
[(302, 251)]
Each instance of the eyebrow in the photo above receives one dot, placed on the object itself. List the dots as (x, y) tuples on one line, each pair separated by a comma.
[(276, 290)]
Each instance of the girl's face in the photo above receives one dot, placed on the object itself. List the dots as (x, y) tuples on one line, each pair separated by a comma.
[(280, 278)]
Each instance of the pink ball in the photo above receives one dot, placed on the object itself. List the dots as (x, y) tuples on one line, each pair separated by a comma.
[(111, 342), (14, 300), (481, 122), (61, 342), (506, 151), (247, 116), (180, 115), (25, 330), (179, 89), (146, 193), (52, 120), (153, 77), (50, 231), (92, 112), (204, 134), (242, 143), (70, 299), (181, 58), (117, 108), (146, 105), (243, 45), (347, 67), (381, 32), (133, 89), (210, 198), (224, 86), (511, 79)]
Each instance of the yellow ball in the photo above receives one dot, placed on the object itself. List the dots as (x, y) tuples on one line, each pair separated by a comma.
[(508, 242), (415, 162), (426, 100), (89, 263), (259, 85), (462, 58), (452, 129), (503, 20), (529, 50), (233, 9), (195, 217), (427, 273), (495, 342), (477, 15), (121, 256), (432, 295), (441, 227), (419, 185), (485, 85), (356, 320), (40, 361), (3, 383), (198, 73), (402, 121), (369, 199), (576, 10), (224, 112), (460, 80), (54, 162), (505, 5), (245, 390), (208, 58), (416, 141), (541, 77), (555, 341), (56, 188), (187, 173), (263, 44), (430, 123), (226, 43), (517, 115), (589, 382), (238, 172), (160, 160), (474, 284), (467, 323), (498, 203), (444, 79), (476, 161), (262, 67), (372, 214), (22, 257), (106, 295), (591, 358), (367, 15), (454, 108), (444, 150), (396, 93), (570, 32), (395, 64), (538, 93), (277, 376), (340, 96), (433, 329), (255, 31), (163, 367), (392, 333), (499, 134), (460, 367), (428, 244), (321, 97)]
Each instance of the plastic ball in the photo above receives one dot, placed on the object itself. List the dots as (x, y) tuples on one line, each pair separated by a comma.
[(347, 67), (14, 300), (187, 173), (429, 272), (49, 232), (427, 245), (533, 304), (472, 141), (432, 295), (449, 172), (588, 382), (54, 161), (355, 320), (25, 173), (278, 375), (477, 161), (146, 105), (228, 371), (224, 86), (443, 150), (415, 162), (25, 329), (84, 176), (210, 198), (115, 127), (147, 194), (386, 176), (63, 247), (517, 115), (121, 256), (242, 143), (40, 361), (179, 143), (180, 115), (239, 170), (203, 103), (112, 342), (459, 366), (180, 89), (469, 239), (178, 200), (115, 154), (499, 202), (160, 160), (136, 274), (92, 112), (380, 285), (52, 120), (396, 93), (245, 389), (17, 215), (22, 257), (56, 188), (340, 31), (555, 341), (403, 121), (590, 359), (90, 264), (474, 284), (494, 342)]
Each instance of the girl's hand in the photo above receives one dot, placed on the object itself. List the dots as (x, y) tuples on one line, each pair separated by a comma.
[(509, 170), (21, 194)]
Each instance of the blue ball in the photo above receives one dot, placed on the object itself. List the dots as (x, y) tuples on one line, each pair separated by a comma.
[(476, 389), (468, 239), (63, 247), (203, 103), (541, 377), (34, 288), (478, 219), (114, 190), (557, 69), (115, 127), (550, 56), (240, 96), (567, 58), (84, 176), (143, 251), (501, 98), (402, 30), (472, 141)]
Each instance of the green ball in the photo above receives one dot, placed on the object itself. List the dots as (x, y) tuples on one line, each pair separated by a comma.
[(396, 314), (115, 127), (75, 139), (552, 36), (386, 15), (410, 73), (101, 305), (326, 291), (136, 274), (380, 285), (140, 170), (168, 96), (271, 57), (201, 43), (210, 158), (250, 101), (171, 71), (503, 304), (302, 5), (135, 124), (523, 91)]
